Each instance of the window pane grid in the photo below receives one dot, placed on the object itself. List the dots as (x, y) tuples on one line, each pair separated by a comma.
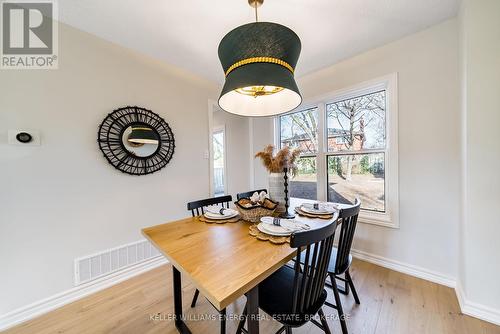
[(329, 154), (300, 130), (358, 140), (304, 184), (357, 176), (356, 123)]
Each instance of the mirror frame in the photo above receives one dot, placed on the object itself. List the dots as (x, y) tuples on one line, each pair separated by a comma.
[(110, 139)]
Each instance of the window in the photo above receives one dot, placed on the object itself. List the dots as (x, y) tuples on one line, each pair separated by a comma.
[(360, 121), (357, 176), (218, 143), (300, 129), (349, 144), (304, 184)]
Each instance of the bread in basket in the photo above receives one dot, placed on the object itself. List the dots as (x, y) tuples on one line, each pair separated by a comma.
[(253, 211)]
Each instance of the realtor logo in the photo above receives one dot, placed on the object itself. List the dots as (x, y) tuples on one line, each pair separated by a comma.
[(29, 35)]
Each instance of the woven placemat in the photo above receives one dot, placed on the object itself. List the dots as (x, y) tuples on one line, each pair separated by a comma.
[(254, 232), (219, 221), (310, 215)]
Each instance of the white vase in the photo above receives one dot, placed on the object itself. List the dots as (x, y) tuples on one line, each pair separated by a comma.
[(277, 190)]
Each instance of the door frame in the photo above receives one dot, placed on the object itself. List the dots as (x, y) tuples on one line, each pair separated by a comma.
[(214, 107)]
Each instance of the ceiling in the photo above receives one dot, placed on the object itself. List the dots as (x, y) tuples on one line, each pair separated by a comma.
[(186, 33)]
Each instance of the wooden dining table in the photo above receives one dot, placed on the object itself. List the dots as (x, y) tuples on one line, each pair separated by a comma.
[(222, 260)]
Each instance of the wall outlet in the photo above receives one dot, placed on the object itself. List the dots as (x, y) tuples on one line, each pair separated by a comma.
[(206, 155), (35, 134)]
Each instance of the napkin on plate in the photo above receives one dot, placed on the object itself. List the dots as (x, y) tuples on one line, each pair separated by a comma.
[(218, 211), (289, 224), (323, 206)]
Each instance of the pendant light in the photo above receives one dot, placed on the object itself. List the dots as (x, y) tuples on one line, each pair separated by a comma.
[(259, 61), (143, 135)]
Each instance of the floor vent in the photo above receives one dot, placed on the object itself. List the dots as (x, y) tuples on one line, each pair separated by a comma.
[(92, 267)]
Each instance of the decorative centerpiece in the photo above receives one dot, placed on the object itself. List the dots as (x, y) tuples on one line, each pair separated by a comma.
[(279, 167), (258, 206)]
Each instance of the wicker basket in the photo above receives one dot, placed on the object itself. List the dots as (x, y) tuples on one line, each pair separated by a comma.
[(254, 212)]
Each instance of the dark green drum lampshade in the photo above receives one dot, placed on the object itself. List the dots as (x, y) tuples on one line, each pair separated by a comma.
[(259, 61), (143, 135)]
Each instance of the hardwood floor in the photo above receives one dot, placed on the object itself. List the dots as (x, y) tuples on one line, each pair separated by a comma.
[(391, 302)]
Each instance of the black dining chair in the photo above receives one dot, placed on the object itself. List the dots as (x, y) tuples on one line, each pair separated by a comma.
[(341, 260), (198, 208), (249, 194), (293, 296)]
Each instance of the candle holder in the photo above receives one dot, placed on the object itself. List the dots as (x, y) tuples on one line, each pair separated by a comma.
[(286, 214)]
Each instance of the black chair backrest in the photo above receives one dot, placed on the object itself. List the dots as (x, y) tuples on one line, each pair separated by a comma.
[(200, 204), (249, 194), (348, 219), (309, 280)]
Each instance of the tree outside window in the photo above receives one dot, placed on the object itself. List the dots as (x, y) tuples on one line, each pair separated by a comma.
[(356, 163)]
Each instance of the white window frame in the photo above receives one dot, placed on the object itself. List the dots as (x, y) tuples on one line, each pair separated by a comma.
[(389, 218)]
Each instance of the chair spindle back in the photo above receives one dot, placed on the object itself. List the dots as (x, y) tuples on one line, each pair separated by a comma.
[(348, 219), (198, 206), (309, 280)]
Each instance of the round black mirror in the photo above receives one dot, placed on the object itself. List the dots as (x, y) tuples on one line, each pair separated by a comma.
[(136, 140)]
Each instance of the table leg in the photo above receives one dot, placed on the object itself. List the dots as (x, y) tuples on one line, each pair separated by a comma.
[(253, 310), (179, 322)]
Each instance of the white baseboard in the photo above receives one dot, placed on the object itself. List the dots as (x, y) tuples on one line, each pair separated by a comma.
[(405, 268), (466, 306), (48, 304), (476, 310)]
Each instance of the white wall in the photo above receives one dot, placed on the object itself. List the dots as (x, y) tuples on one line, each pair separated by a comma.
[(237, 150), (480, 39), (429, 144), (62, 199), (262, 134)]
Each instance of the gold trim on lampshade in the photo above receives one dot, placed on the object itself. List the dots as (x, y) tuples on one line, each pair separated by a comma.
[(259, 60)]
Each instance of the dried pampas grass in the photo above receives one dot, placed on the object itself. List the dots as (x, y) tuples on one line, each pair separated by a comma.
[(285, 158)]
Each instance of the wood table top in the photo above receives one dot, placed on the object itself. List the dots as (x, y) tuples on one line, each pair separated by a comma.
[(222, 260)]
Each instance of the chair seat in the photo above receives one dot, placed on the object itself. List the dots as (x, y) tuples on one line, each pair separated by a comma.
[(276, 298), (331, 265)]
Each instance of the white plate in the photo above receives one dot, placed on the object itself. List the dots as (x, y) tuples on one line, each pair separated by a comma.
[(228, 213), (217, 216), (273, 230), (324, 209), (286, 227)]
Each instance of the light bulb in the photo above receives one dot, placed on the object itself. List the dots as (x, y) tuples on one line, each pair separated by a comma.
[(256, 91)]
